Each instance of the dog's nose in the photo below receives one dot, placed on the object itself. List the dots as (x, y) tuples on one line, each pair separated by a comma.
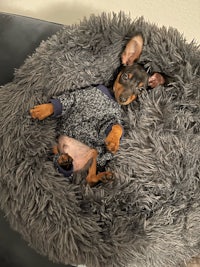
[(123, 99)]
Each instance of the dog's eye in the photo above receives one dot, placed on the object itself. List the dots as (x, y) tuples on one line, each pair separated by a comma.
[(125, 76)]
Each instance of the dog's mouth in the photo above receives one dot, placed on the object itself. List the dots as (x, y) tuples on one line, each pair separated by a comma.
[(123, 99)]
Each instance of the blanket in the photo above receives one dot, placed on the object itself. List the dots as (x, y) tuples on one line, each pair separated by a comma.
[(150, 214)]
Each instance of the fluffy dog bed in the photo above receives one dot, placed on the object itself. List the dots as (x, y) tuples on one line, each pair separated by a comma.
[(150, 214)]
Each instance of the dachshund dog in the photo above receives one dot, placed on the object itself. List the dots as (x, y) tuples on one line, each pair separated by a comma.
[(130, 82)]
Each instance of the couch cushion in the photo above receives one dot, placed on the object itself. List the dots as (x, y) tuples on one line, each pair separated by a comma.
[(19, 36)]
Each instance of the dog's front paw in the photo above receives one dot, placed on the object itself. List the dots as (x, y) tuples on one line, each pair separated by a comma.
[(112, 141), (42, 111), (112, 145)]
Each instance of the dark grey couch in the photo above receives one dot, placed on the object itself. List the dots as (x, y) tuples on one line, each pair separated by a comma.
[(19, 36)]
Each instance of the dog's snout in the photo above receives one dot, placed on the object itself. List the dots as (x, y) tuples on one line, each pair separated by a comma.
[(123, 98)]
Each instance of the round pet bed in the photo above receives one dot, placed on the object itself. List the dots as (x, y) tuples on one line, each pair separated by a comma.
[(150, 214)]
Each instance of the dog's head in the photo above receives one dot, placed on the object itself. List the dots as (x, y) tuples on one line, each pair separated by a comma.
[(130, 82)]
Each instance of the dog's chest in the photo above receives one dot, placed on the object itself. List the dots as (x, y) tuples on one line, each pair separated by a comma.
[(90, 113)]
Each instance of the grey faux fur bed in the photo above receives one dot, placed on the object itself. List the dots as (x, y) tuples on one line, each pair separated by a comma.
[(150, 214)]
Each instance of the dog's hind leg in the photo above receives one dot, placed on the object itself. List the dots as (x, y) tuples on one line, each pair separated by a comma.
[(92, 177)]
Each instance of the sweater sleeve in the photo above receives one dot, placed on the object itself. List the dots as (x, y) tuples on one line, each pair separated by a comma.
[(57, 107), (62, 103)]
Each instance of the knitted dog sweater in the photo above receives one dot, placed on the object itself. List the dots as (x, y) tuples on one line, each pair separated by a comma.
[(88, 115)]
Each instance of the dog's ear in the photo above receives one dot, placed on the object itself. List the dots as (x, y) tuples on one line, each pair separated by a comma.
[(132, 50)]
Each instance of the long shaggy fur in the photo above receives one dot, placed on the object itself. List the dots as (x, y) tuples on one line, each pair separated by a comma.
[(149, 216)]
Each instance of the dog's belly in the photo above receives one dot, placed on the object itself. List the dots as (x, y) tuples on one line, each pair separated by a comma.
[(79, 152)]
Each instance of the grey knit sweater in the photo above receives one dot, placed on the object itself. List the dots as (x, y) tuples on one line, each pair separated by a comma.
[(88, 115)]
